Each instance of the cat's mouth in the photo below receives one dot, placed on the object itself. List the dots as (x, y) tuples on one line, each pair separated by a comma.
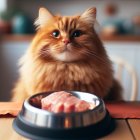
[(67, 48), (66, 54)]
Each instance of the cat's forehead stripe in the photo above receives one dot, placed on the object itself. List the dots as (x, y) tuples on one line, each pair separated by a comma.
[(66, 24), (73, 23)]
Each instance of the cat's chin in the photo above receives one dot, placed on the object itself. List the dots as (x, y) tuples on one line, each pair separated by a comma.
[(66, 57)]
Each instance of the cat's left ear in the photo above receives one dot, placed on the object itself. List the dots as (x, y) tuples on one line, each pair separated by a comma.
[(43, 17), (89, 16)]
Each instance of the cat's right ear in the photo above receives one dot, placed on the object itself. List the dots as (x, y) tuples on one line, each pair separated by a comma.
[(43, 17), (89, 16)]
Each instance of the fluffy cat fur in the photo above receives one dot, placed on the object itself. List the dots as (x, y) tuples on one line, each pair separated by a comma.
[(52, 64)]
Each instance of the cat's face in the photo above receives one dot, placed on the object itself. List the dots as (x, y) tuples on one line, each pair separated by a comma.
[(65, 38)]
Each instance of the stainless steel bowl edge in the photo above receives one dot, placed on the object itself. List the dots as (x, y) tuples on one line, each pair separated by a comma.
[(43, 118)]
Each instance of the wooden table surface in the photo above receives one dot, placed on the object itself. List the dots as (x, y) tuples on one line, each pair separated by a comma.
[(127, 128)]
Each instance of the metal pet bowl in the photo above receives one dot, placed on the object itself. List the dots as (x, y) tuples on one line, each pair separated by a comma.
[(37, 124)]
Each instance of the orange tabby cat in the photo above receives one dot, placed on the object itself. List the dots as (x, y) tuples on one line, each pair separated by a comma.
[(66, 54)]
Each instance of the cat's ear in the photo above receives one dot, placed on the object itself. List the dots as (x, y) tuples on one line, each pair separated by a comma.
[(43, 17), (89, 16)]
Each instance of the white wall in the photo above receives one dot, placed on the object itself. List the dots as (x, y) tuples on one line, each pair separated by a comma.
[(10, 52), (3, 5), (130, 52)]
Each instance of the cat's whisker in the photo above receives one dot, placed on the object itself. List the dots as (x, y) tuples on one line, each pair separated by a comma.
[(41, 54), (57, 49), (46, 52), (89, 53)]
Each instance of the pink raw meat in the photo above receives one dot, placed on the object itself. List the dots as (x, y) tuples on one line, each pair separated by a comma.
[(52, 99), (69, 104), (65, 102), (82, 106)]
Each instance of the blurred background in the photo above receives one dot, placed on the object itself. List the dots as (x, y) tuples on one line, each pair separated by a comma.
[(119, 30)]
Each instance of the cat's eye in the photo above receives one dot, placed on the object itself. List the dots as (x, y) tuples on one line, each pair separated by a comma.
[(76, 33), (55, 33)]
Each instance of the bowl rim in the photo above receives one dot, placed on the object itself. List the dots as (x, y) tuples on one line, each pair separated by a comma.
[(28, 105)]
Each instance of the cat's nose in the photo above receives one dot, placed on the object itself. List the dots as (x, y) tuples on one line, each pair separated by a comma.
[(66, 41)]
